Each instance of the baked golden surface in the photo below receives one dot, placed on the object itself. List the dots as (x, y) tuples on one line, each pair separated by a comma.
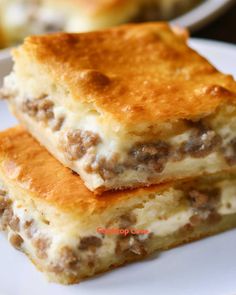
[(133, 74)]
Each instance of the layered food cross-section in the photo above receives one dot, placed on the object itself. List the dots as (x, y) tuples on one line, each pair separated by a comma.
[(19, 18), (70, 233), (125, 107)]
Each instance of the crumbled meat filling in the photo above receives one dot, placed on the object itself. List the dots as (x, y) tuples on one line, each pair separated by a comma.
[(68, 261), (195, 220), (30, 107), (211, 218), (91, 261), (14, 223), (199, 200), (206, 199), (90, 243), (7, 216), (78, 142), (202, 142), (57, 124), (45, 110), (29, 229), (214, 217), (155, 155), (204, 202), (41, 245), (68, 258), (4, 203), (6, 212), (138, 249), (40, 108), (127, 220), (124, 221), (16, 241), (186, 229), (107, 169), (130, 245)]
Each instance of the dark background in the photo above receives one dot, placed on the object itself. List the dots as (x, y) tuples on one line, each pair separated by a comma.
[(223, 29)]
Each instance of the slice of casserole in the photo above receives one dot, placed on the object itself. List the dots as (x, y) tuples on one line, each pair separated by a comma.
[(125, 107), (70, 233), (20, 18)]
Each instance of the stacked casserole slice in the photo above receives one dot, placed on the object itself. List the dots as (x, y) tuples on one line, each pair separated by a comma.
[(149, 126)]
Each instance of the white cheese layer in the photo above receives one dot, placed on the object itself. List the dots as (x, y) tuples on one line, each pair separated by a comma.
[(152, 220), (171, 225), (178, 220)]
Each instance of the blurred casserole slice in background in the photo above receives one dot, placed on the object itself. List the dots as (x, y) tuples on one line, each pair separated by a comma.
[(20, 18)]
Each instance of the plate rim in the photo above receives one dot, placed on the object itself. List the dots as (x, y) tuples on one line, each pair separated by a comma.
[(202, 14), (210, 42)]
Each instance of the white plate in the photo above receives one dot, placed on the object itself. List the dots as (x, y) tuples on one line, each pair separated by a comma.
[(204, 13), (206, 267)]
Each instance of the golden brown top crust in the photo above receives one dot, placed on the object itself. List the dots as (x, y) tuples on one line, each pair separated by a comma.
[(30, 166), (133, 73)]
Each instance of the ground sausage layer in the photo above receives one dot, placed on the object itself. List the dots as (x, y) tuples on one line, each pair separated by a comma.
[(151, 157)]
